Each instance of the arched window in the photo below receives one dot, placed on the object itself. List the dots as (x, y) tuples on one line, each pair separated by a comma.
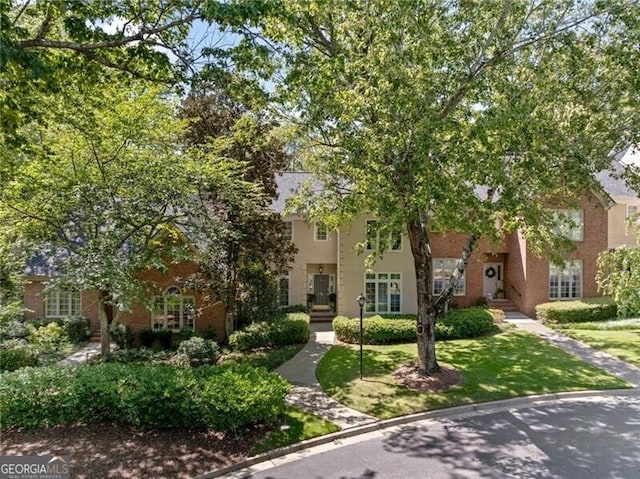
[(173, 310)]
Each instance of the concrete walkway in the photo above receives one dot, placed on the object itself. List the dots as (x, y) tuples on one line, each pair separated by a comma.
[(82, 355), (306, 392), (600, 359)]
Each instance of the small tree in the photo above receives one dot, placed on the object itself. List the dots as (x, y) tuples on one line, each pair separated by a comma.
[(110, 192)]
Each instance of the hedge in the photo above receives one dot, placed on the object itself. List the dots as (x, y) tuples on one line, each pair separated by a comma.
[(221, 398), (456, 324), (593, 309), (16, 354), (290, 328)]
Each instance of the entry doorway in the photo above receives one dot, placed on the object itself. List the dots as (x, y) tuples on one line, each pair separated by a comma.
[(493, 280), (321, 290)]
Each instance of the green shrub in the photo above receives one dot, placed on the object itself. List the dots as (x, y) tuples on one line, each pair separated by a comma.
[(464, 323), (290, 328), (16, 354), (13, 329), (456, 324), (42, 322), (594, 309), (121, 335), (295, 308), (49, 337), (136, 355), (157, 339), (199, 351), (376, 329), (220, 398), (77, 328)]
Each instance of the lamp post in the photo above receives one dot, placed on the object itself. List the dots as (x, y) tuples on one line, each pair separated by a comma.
[(361, 301)]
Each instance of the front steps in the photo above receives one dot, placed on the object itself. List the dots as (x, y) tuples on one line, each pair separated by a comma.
[(505, 305), (322, 316)]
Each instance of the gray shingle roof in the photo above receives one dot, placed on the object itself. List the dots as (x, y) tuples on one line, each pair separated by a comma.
[(289, 182)]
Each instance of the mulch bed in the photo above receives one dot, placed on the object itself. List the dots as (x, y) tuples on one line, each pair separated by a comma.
[(409, 377), (118, 451)]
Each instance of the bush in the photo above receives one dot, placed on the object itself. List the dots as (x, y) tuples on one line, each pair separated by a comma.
[(13, 329), (376, 329), (157, 339), (456, 324), (16, 354), (221, 398), (464, 323), (77, 328), (291, 328), (49, 337), (199, 351), (295, 308), (121, 335), (135, 355), (594, 309)]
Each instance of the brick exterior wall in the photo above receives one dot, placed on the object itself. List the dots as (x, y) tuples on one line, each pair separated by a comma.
[(210, 316)]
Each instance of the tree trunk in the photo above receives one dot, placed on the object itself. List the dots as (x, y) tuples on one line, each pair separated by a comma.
[(106, 318), (426, 320)]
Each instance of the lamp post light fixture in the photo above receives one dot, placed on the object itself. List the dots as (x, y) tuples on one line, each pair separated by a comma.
[(361, 301)]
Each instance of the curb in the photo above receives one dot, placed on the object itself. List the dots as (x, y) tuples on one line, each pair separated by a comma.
[(450, 413)]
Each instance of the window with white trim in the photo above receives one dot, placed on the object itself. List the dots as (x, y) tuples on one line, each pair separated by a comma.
[(62, 302), (565, 282), (442, 272), (383, 292), (287, 230), (283, 290), (320, 232), (373, 238), (173, 311), (631, 210), (570, 224)]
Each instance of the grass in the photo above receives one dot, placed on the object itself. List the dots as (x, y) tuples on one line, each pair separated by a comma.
[(624, 344), (267, 358), (613, 324), (494, 367), (296, 426)]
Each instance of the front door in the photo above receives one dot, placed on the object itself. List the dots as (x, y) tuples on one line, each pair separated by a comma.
[(321, 289), (493, 274)]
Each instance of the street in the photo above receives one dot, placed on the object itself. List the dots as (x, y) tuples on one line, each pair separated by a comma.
[(588, 438)]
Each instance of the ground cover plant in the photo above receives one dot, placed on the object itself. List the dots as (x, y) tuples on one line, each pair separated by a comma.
[(494, 367)]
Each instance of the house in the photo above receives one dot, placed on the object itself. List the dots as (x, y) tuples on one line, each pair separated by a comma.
[(327, 270), (171, 307), (329, 275)]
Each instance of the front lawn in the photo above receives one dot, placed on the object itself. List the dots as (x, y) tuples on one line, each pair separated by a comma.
[(496, 367), (624, 344)]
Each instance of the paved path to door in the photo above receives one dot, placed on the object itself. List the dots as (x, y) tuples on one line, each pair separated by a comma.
[(604, 361), (306, 392)]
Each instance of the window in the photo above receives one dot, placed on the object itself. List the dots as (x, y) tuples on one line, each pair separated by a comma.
[(564, 218), (283, 290), (632, 210), (62, 302), (287, 230), (442, 272), (565, 282), (383, 292), (321, 233), (373, 237), (173, 311)]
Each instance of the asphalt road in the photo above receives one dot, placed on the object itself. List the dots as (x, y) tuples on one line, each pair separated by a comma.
[(588, 438)]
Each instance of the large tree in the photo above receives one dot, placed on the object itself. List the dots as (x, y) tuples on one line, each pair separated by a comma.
[(468, 116), (108, 191), (252, 246)]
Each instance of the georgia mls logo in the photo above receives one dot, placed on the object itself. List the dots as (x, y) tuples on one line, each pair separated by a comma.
[(35, 467)]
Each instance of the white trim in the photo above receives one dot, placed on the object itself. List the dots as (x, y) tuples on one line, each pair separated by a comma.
[(463, 282), (288, 278), (566, 269), (69, 292), (632, 210), (315, 233), (376, 281), (288, 222), (165, 313)]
